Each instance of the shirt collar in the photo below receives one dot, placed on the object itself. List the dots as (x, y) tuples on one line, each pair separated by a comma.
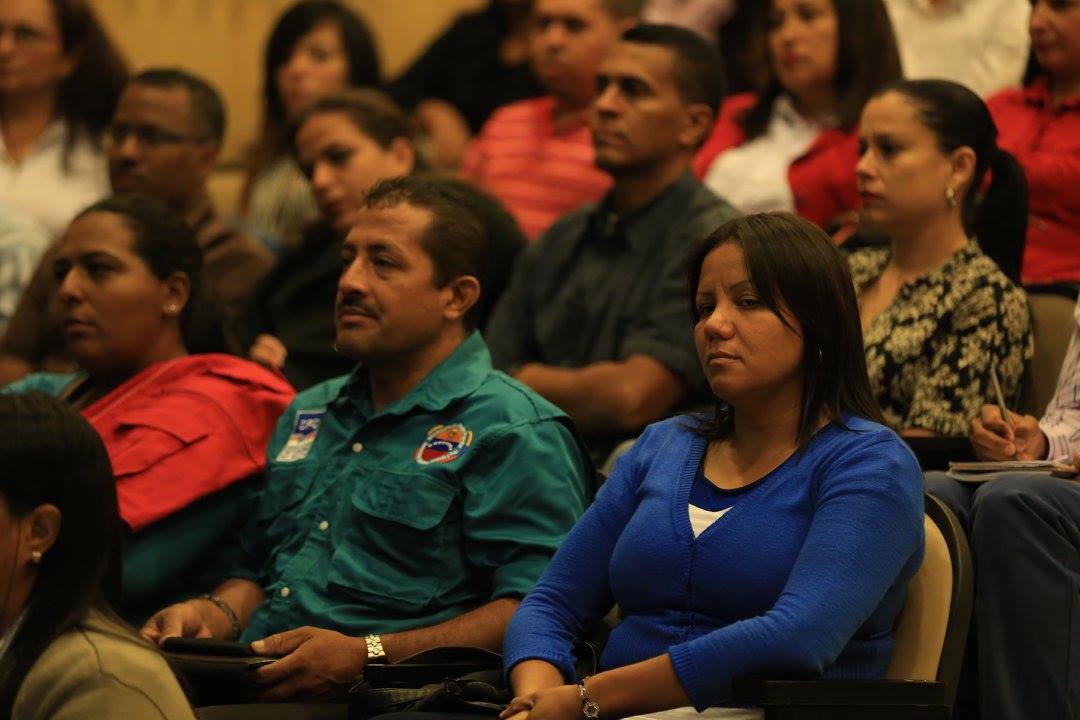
[(644, 225), (455, 377)]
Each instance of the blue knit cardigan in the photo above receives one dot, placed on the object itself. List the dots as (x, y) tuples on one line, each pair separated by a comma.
[(805, 576)]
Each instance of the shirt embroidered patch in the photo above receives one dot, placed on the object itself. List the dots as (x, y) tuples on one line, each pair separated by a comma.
[(305, 427), (443, 444)]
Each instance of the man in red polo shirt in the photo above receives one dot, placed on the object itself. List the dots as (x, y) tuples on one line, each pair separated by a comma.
[(536, 156)]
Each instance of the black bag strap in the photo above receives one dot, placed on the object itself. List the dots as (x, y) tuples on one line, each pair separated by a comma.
[(434, 666)]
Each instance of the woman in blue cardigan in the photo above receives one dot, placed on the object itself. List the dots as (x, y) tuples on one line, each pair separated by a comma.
[(773, 537)]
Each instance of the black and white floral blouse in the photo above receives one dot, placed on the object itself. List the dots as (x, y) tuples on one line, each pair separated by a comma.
[(929, 352)]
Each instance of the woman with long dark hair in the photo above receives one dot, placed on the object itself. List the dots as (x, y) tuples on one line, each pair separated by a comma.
[(184, 423), (316, 47), (63, 654), (60, 77), (938, 305), (775, 534), (793, 146)]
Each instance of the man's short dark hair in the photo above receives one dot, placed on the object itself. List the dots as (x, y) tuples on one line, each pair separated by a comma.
[(699, 69), (456, 239), (206, 105)]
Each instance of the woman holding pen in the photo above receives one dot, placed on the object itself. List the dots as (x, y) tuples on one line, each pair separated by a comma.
[(938, 304)]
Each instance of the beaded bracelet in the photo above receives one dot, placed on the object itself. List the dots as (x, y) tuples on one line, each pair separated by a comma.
[(588, 708), (223, 606)]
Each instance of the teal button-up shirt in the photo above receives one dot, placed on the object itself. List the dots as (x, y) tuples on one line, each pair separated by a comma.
[(375, 522)]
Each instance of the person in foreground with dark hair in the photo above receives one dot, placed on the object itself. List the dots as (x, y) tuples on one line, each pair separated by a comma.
[(412, 502), (63, 654), (794, 146), (591, 317), (938, 305), (183, 423), (774, 535)]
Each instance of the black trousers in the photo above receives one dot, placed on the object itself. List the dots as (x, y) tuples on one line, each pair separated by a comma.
[(1024, 531)]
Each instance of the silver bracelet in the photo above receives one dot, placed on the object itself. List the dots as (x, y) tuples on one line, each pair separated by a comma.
[(588, 708), (234, 621)]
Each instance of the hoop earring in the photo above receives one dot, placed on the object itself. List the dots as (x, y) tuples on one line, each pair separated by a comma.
[(950, 196)]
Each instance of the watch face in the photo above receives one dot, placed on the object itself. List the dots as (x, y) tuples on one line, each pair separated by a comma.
[(590, 709)]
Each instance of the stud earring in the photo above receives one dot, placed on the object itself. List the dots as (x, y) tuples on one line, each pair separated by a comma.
[(35, 557), (950, 196), (171, 309)]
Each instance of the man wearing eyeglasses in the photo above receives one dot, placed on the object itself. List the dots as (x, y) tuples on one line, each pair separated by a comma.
[(163, 141)]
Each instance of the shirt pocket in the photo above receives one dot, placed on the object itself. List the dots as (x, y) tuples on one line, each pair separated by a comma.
[(400, 541), (142, 439)]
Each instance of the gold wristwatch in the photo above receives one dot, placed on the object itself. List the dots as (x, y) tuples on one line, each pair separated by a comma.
[(375, 652)]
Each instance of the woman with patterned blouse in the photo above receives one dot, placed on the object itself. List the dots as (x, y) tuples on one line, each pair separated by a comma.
[(938, 307)]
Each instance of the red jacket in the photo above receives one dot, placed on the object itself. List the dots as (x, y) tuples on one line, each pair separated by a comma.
[(822, 179), (185, 428), (1046, 142)]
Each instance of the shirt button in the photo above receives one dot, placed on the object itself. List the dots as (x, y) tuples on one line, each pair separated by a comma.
[(285, 592), (324, 525), (357, 447)]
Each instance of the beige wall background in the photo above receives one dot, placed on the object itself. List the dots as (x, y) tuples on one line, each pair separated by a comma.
[(222, 40)]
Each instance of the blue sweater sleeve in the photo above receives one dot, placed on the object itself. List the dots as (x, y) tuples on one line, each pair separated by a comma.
[(867, 527), (574, 593)]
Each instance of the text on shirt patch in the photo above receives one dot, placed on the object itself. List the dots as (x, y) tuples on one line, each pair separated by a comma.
[(443, 444), (305, 427)]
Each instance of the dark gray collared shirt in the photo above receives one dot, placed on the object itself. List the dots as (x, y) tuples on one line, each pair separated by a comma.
[(599, 288)]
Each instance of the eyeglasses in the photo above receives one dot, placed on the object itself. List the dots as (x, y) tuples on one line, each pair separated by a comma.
[(25, 35), (147, 135)]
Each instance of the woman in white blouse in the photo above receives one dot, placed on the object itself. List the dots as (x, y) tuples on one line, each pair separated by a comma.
[(793, 147), (60, 77)]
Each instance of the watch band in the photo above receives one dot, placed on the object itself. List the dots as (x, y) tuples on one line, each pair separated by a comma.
[(375, 652)]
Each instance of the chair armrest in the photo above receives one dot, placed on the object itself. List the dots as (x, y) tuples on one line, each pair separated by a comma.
[(883, 693)]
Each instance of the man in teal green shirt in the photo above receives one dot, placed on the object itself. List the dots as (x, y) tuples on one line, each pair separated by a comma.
[(411, 503)]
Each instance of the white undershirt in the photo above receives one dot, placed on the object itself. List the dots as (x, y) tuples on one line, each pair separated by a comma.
[(701, 520), (754, 176)]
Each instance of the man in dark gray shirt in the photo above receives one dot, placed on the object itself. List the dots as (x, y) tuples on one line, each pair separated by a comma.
[(595, 318)]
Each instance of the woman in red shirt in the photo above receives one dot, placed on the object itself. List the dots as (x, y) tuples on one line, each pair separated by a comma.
[(1040, 126), (794, 146), (183, 423)]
